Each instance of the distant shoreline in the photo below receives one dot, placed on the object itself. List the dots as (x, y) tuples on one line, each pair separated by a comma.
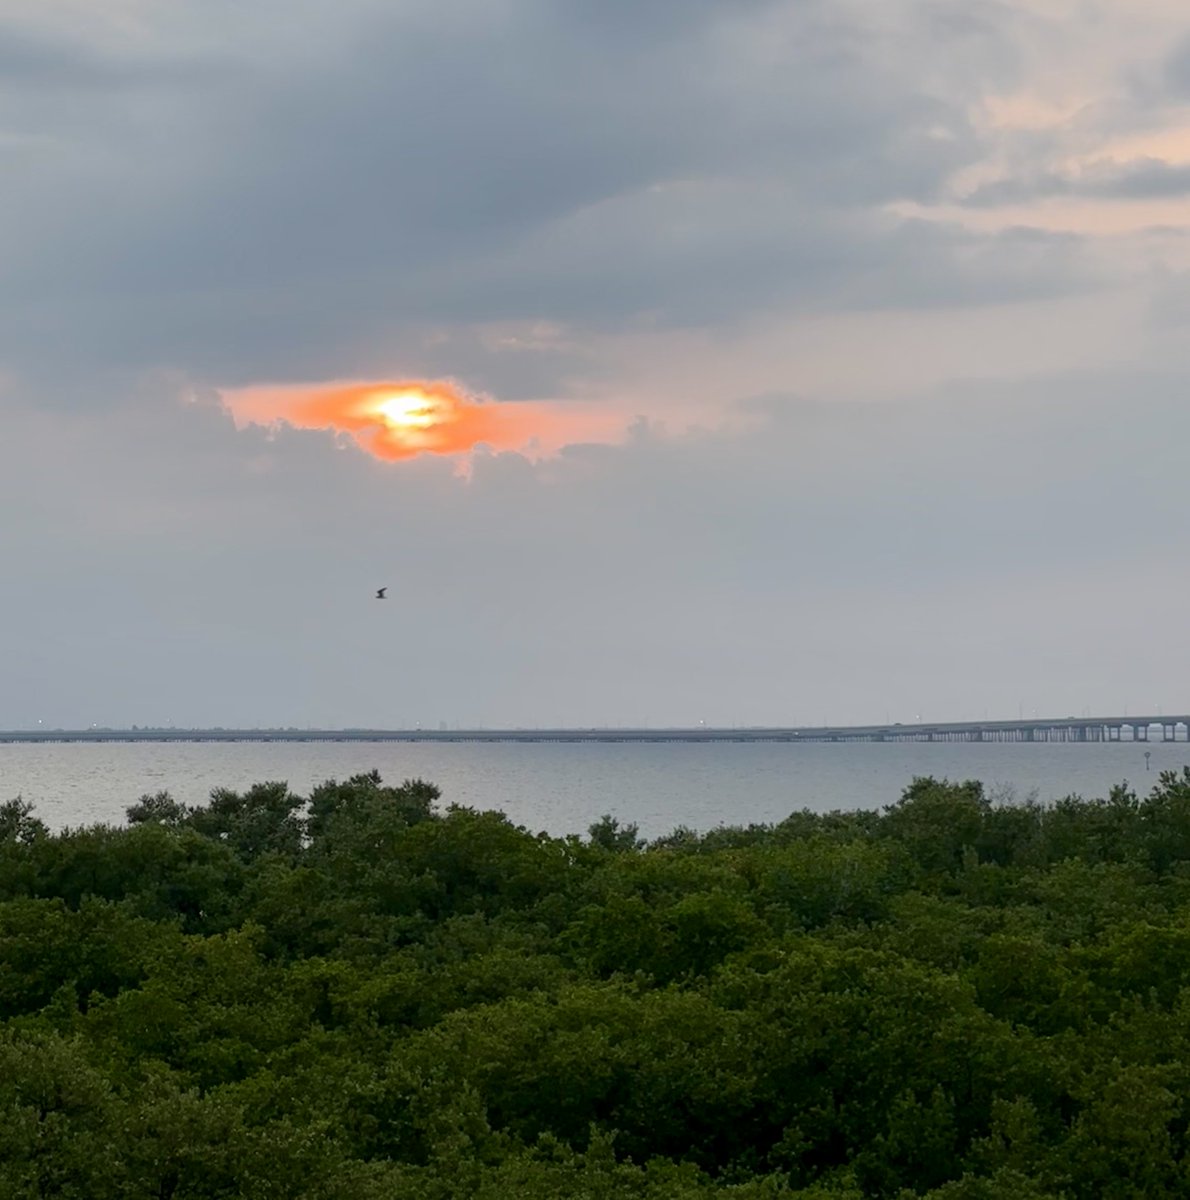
[(1068, 729)]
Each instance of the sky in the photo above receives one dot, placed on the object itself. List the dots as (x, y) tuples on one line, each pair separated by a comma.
[(745, 361)]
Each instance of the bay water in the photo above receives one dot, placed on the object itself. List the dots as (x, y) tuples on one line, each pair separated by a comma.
[(562, 788)]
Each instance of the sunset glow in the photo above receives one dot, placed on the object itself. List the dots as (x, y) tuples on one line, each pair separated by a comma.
[(403, 418), (409, 410)]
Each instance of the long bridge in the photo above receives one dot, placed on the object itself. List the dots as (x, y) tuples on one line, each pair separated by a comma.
[(1067, 729)]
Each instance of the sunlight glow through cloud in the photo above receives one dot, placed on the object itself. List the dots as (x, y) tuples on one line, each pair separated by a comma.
[(404, 418)]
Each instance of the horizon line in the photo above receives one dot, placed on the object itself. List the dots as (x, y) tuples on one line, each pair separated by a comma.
[(443, 731)]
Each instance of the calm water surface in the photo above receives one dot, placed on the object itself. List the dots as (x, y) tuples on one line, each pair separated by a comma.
[(562, 788)]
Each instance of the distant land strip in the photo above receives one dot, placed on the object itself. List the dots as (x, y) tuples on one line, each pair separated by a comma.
[(1068, 729)]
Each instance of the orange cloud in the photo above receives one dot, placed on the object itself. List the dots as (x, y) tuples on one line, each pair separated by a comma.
[(404, 418)]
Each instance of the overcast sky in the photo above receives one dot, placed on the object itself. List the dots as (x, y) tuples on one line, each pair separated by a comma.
[(884, 310)]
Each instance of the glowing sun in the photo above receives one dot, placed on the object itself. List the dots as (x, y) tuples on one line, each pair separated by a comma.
[(402, 418), (413, 409)]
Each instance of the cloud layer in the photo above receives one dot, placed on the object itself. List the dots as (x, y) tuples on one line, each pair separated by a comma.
[(840, 353)]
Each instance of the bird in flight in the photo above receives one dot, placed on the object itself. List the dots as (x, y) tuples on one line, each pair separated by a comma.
[(380, 593)]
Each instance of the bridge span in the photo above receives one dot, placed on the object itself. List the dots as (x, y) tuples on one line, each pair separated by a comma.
[(1067, 729)]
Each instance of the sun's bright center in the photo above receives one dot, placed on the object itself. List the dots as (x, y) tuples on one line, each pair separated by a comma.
[(407, 410)]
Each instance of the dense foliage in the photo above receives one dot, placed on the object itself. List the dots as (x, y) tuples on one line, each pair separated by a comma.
[(360, 995)]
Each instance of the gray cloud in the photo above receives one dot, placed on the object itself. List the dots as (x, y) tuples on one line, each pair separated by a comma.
[(1135, 179), (511, 193), (306, 193), (1174, 75)]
